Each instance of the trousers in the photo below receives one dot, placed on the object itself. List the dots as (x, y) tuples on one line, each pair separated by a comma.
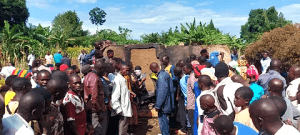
[(163, 120)]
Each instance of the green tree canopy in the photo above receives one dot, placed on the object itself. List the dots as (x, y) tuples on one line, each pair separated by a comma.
[(68, 24), (97, 16), (260, 21), (14, 11)]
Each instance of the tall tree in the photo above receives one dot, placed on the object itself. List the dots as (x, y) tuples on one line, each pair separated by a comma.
[(260, 21), (97, 16), (68, 23), (14, 11)]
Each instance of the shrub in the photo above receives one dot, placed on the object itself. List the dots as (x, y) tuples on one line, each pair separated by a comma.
[(282, 43)]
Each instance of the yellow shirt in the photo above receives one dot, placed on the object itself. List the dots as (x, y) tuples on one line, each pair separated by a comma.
[(9, 96), (244, 117), (168, 70)]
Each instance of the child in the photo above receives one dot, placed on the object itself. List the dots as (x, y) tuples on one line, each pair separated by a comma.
[(207, 103), (140, 78), (243, 96), (224, 125), (204, 83)]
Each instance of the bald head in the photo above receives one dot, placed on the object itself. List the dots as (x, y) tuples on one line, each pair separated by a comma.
[(207, 102), (280, 103), (204, 80), (275, 87), (264, 112), (294, 73), (154, 67), (275, 65), (32, 106), (100, 67), (237, 78), (58, 88)]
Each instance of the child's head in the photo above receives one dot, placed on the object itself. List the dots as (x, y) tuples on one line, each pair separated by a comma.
[(180, 63), (193, 57), (178, 71), (187, 68), (69, 71), (207, 103), (280, 103), (204, 81), (224, 125), (201, 60), (43, 78), (243, 96), (137, 68)]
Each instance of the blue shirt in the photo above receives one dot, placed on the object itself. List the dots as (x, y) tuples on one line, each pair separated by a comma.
[(214, 58), (57, 57), (244, 130), (184, 87), (234, 57), (197, 92), (264, 80), (258, 91), (89, 56)]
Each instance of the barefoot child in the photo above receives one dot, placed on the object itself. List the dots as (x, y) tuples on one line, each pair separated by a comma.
[(243, 96)]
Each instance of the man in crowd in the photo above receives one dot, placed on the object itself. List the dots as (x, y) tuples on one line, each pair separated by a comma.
[(57, 57), (93, 86), (100, 45), (265, 62), (58, 89), (31, 107), (30, 59), (266, 118), (294, 81), (275, 89), (120, 100), (164, 98), (234, 56), (66, 60), (165, 60), (212, 57), (274, 72), (110, 54)]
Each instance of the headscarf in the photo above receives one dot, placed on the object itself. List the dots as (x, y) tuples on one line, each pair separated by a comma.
[(252, 71)]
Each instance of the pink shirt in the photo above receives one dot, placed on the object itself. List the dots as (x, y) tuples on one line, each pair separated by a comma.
[(190, 92)]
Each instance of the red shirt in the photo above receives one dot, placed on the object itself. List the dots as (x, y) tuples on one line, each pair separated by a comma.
[(73, 110)]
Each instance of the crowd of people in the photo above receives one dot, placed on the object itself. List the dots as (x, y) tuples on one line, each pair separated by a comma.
[(200, 95)]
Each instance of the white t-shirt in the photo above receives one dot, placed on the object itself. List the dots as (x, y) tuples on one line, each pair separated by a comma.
[(292, 90), (287, 130), (49, 59), (16, 125)]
